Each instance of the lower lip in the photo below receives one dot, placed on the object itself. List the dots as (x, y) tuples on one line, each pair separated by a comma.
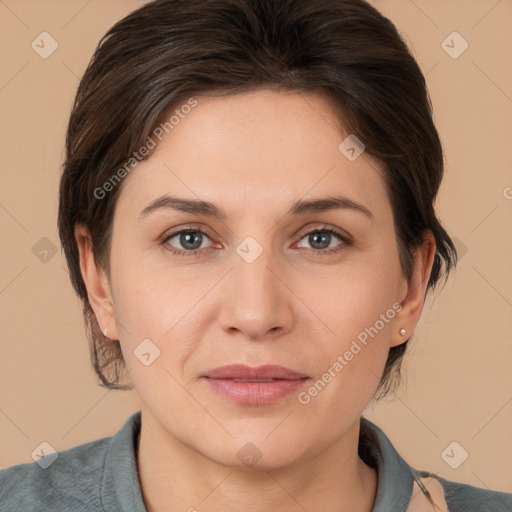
[(255, 393)]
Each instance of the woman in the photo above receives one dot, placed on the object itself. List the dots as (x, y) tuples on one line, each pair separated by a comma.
[(247, 213)]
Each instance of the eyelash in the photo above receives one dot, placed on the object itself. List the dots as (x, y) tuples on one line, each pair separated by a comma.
[(346, 241)]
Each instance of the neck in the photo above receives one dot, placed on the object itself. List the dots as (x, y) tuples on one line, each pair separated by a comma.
[(175, 476)]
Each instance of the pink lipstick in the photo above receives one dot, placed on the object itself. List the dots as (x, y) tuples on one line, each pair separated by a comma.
[(254, 385)]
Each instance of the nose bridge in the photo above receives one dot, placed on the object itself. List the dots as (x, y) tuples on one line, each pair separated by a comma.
[(259, 302)]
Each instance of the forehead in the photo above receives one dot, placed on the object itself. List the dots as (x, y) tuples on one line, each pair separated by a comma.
[(253, 149)]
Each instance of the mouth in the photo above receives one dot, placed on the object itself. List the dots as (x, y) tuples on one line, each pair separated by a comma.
[(246, 373), (254, 385), (254, 380)]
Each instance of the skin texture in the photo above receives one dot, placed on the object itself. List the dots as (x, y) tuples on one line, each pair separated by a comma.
[(253, 155)]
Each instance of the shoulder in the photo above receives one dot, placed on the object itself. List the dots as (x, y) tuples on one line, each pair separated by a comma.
[(401, 487), (69, 481), (462, 497), (97, 476)]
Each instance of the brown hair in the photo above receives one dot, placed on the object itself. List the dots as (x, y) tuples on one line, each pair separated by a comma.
[(162, 54)]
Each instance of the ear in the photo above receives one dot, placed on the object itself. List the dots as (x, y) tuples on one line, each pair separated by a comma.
[(96, 282), (412, 305)]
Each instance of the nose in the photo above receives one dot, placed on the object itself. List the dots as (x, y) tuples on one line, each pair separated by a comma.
[(256, 301)]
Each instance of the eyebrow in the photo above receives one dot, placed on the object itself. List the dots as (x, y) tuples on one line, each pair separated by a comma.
[(208, 209)]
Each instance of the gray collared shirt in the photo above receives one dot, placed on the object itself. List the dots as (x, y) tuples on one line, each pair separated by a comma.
[(101, 476)]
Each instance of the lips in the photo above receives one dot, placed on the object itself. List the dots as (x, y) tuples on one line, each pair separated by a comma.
[(258, 386), (243, 373)]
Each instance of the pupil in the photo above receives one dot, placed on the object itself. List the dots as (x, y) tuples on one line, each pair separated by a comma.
[(188, 240), (315, 239)]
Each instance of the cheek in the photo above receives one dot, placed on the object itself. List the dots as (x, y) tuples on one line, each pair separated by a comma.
[(163, 305), (151, 295), (353, 297), (359, 307), (351, 365)]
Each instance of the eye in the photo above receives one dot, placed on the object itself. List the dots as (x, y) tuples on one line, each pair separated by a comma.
[(321, 240), (185, 241), (191, 241)]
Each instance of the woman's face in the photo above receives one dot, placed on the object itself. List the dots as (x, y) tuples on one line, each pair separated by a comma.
[(256, 288)]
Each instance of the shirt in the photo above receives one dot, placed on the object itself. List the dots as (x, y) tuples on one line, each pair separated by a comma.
[(102, 476)]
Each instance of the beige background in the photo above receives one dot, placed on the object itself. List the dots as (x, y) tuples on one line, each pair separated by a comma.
[(458, 384)]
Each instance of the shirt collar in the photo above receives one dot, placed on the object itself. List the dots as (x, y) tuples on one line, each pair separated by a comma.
[(120, 486), (395, 477)]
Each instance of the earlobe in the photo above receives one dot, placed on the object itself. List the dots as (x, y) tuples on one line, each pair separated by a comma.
[(96, 282), (412, 304)]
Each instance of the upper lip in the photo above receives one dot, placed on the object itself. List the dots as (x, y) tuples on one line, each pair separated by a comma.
[(241, 371)]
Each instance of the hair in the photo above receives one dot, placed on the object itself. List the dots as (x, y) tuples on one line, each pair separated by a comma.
[(167, 51)]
